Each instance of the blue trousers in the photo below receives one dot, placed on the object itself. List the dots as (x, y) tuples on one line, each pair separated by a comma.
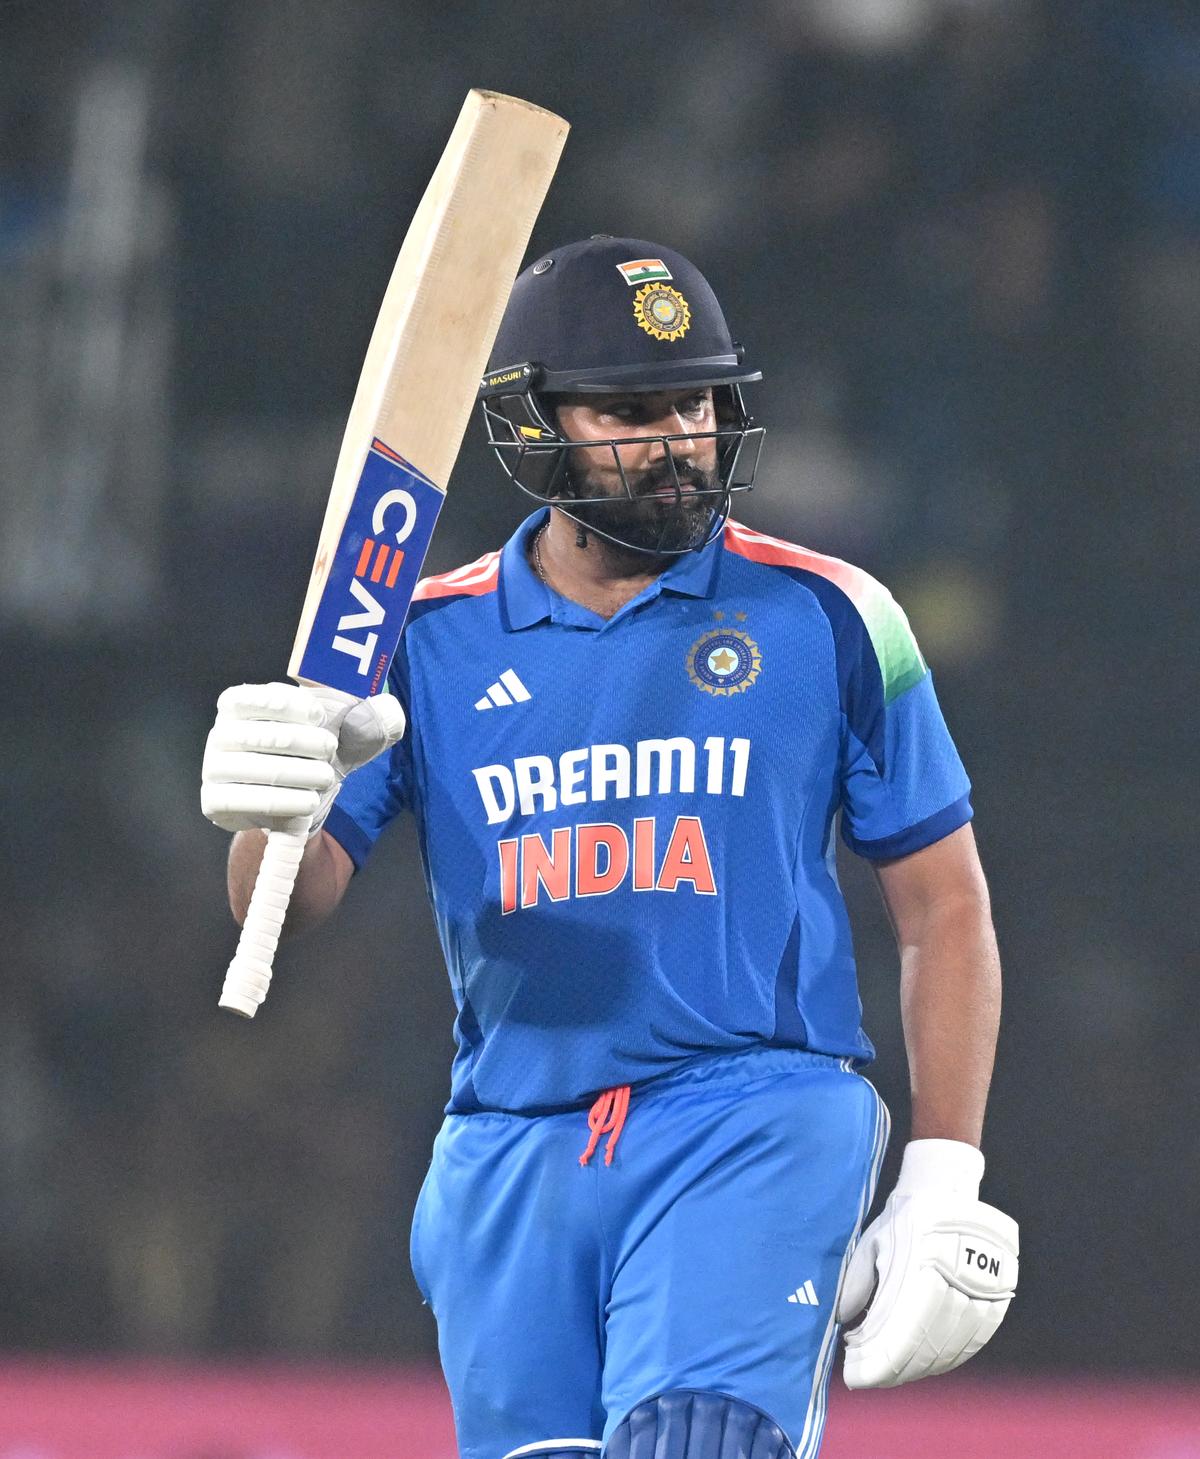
[(708, 1255)]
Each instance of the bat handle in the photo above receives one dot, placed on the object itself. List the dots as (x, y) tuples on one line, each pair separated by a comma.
[(249, 974)]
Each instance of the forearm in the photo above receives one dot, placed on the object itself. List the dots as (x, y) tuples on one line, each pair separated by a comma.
[(950, 1002), (324, 872)]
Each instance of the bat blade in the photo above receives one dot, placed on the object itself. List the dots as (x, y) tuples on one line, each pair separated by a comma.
[(430, 345)]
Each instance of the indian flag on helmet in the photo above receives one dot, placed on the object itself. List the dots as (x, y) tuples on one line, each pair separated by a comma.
[(643, 270)]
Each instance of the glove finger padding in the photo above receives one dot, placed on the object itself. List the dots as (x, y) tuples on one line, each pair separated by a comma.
[(285, 703), (258, 807), (272, 737), (239, 767), (278, 753), (947, 1271)]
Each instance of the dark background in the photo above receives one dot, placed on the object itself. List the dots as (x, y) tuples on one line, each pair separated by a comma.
[(962, 239)]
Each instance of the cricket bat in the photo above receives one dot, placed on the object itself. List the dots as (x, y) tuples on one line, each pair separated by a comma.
[(430, 346)]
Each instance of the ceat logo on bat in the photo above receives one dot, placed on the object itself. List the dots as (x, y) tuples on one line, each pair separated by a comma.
[(375, 569)]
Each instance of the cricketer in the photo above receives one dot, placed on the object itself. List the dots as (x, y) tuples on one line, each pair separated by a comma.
[(628, 739)]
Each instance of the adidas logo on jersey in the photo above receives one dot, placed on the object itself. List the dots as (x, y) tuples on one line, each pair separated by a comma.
[(507, 689), (806, 1295)]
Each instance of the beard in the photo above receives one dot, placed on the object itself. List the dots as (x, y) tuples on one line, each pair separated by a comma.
[(656, 517)]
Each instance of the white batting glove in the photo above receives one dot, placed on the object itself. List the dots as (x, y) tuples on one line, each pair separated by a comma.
[(943, 1266), (278, 753)]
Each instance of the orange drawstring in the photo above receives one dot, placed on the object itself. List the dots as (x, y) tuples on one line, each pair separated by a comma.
[(607, 1114)]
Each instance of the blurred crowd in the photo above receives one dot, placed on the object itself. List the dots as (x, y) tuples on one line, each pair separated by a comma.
[(963, 239)]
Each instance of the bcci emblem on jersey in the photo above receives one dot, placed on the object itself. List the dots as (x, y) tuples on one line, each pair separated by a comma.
[(724, 661)]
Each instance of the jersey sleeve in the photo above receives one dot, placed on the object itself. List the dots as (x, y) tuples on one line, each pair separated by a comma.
[(903, 784), (374, 794)]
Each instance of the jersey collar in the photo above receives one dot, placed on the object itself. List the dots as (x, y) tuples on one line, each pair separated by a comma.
[(527, 600)]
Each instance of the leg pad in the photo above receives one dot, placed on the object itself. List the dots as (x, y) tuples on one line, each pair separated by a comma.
[(690, 1424)]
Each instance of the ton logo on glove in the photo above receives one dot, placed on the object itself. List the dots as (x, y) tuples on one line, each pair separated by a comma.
[(932, 1294)]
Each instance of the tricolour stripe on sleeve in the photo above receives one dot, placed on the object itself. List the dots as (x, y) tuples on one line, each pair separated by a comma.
[(900, 662)]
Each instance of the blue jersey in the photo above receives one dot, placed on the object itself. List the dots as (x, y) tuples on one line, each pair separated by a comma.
[(627, 824)]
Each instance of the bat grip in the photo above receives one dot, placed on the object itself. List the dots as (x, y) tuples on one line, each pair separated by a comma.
[(249, 974)]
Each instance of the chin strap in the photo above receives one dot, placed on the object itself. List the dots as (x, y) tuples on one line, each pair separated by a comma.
[(581, 537)]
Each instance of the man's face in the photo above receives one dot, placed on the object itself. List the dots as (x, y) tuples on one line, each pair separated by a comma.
[(659, 517)]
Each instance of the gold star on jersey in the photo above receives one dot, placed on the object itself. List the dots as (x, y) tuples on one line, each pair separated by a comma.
[(724, 661), (662, 311)]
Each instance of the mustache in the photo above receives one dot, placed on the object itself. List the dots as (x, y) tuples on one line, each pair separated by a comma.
[(664, 477)]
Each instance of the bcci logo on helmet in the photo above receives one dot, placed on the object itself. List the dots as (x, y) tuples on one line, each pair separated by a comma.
[(724, 661), (662, 311)]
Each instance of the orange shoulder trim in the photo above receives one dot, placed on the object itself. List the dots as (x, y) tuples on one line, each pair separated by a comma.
[(475, 579), (759, 547)]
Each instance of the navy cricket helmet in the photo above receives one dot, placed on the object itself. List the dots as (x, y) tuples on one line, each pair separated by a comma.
[(615, 315)]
